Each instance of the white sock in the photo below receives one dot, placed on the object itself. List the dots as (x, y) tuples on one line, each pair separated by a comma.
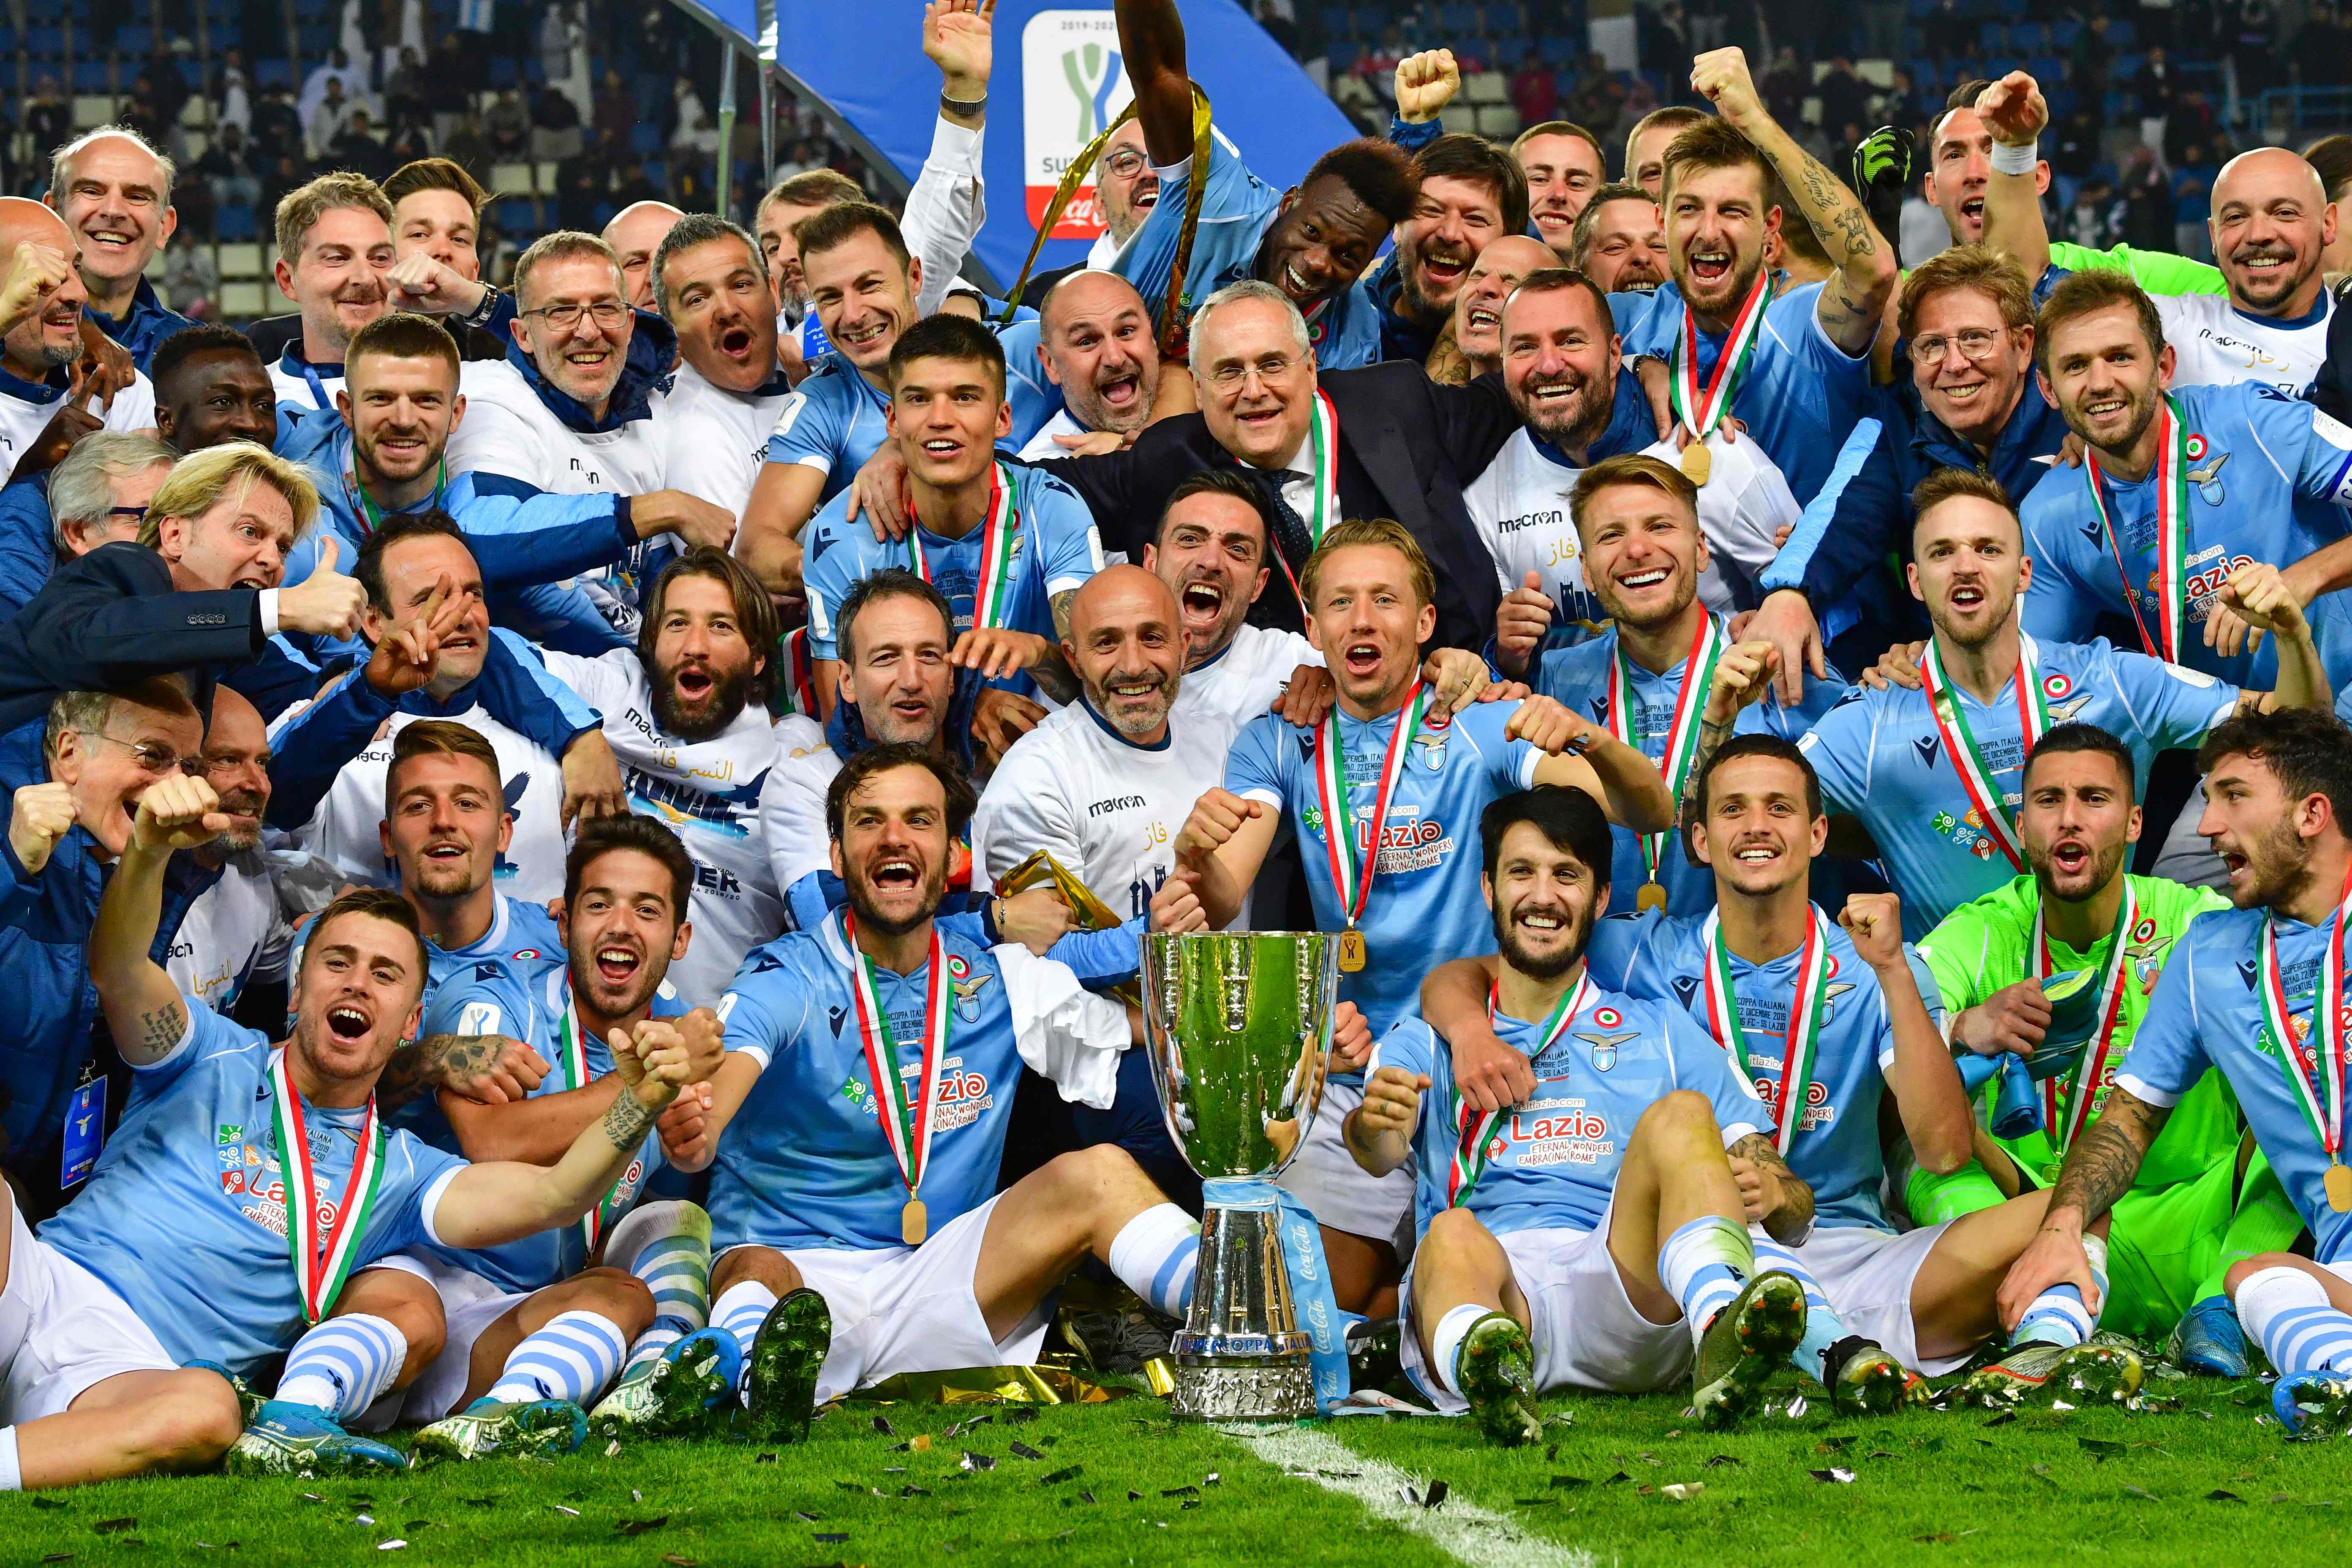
[(2288, 1313), (573, 1357), (740, 1310), (1155, 1253), (343, 1365), (1702, 1265), (12, 1477), (1446, 1341), (2059, 1316)]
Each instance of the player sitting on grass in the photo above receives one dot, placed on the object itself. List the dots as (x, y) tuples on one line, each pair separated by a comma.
[(1594, 1239), (162, 1260)]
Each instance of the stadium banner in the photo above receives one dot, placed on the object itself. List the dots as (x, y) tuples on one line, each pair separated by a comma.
[(1057, 79)]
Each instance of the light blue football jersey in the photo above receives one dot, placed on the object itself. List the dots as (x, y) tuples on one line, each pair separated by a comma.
[(833, 423)]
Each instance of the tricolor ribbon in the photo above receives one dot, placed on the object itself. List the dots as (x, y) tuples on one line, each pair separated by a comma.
[(1809, 1007), (1967, 758), (572, 1046), (1472, 1129), (907, 1119), (2089, 1077), (1701, 410), (2172, 460), (1706, 650), (321, 1263), (991, 593), (2327, 1028), (1353, 878)]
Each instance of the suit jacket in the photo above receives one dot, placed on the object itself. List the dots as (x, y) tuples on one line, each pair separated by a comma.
[(1407, 446), (112, 618)]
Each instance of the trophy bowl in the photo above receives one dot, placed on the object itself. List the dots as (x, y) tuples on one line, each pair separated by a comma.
[(1237, 1026)]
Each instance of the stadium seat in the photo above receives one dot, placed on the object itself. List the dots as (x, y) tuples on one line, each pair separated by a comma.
[(1561, 50), (233, 222), (239, 260), (272, 71), (2121, 34), (1486, 87), (511, 180), (645, 140), (518, 217), (1459, 119), (1337, 22), (92, 105), (502, 70), (1499, 121), (243, 301), (1461, 21), (1501, 21), (1992, 37)]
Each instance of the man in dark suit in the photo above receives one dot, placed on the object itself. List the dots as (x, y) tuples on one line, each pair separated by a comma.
[(1405, 448)]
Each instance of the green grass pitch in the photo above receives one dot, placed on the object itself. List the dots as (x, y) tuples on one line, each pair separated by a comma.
[(1108, 1484)]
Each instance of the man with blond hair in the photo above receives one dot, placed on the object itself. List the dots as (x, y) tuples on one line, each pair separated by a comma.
[(334, 251)]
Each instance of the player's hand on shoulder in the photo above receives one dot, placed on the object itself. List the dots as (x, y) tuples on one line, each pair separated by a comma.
[(1000, 651), (1488, 1073), (1306, 698), (1874, 923), (999, 718), (40, 814), (1036, 920), (2012, 1019), (878, 494), (1457, 676), (1898, 665)]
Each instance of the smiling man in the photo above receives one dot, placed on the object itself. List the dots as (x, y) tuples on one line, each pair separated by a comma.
[(40, 337), (114, 192), (1471, 344), (212, 386), (1621, 242), (334, 248), (709, 285), (1095, 344), (1216, 536), (1468, 194), (1565, 168), (1934, 775)]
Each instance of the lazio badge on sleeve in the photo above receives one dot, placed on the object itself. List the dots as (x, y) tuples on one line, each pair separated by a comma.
[(85, 1130)]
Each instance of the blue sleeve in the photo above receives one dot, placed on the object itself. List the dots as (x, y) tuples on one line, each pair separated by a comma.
[(483, 1001), (1851, 522), (2318, 445), (2166, 1057), (809, 428), (209, 1034), (754, 1009), (27, 541), (1100, 958), (1630, 311), (813, 897), (21, 892), (1702, 1065), (1838, 749), (1069, 551), (537, 538), (2175, 706), (560, 616), (826, 578), (1033, 399), (1511, 763), (2059, 605), (1931, 995), (1616, 942), (308, 753), (1411, 137), (415, 1166), (1410, 1044), (1232, 195), (1255, 764), (279, 678), (518, 692)]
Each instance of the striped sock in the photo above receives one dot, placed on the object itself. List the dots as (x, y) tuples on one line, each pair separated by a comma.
[(2288, 1312), (573, 1357), (1823, 1327), (344, 1364), (1703, 1265), (674, 1261), (1155, 1254), (2058, 1316), (740, 1310)]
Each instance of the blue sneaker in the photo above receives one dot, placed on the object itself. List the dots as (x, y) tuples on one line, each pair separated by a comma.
[(544, 1427), (689, 1390), (2209, 1341), (288, 1439), (2312, 1403)]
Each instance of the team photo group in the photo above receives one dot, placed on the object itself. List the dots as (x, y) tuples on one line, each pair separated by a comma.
[(632, 851)]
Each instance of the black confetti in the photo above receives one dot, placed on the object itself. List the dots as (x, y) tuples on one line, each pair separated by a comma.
[(59, 1557), (1180, 1491), (2003, 1419), (895, 1447), (2099, 1449), (851, 1486), (838, 1535), (1933, 1445), (1023, 1451), (1564, 1481), (1134, 1496), (1838, 1475), (481, 1502), (639, 1526), (973, 1461), (1718, 1460), (1434, 1495), (49, 1502), (1551, 1452), (1019, 1414), (114, 1526), (1067, 1473), (1194, 1502), (420, 1524), (765, 1459), (1087, 1496), (1620, 1476), (2218, 1495), (911, 1490), (882, 1425)]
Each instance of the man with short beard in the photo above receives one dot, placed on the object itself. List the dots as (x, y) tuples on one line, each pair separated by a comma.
[(236, 933), (1621, 242), (1469, 193), (1095, 347), (2002, 964), (1471, 344), (1932, 775), (2272, 225), (40, 337), (1580, 405), (334, 251), (686, 710), (711, 286), (1211, 550)]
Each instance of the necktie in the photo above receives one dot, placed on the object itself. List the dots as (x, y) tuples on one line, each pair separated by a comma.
[(1297, 544)]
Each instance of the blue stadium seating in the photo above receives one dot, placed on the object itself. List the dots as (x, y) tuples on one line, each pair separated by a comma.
[(234, 224), (272, 71)]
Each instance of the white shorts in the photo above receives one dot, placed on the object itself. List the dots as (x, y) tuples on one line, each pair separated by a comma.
[(1585, 1330), (470, 1304), (62, 1331), (1340, 1194), (901, 1309), (1867, 1276)]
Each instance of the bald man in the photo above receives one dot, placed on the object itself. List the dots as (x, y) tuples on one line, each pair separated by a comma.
[(41, 305), (1094, 343), (635, 231), (1472, 345), (114, 192), (2272, 225)]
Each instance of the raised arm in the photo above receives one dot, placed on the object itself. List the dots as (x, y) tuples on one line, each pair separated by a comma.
[(1151, 42), (2258, 597), (1934, 1107), (1587, 757), (1855, 296), (144, 1009), (946, 206), (2014, 111), (1222, 845)]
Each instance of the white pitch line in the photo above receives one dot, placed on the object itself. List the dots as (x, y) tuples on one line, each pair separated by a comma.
[(1476, 1537)]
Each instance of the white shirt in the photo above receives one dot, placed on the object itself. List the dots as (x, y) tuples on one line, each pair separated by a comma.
[(945, 209), (1520, 507), (1107, 808), (1243, 681), (2217, 344), (22, 419), (233, 933), (713, 440), (1043, 445), (295, 392), (791, 803), (344, 829), (708, 793)]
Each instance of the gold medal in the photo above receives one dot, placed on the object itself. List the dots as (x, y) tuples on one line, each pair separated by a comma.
[(1653, 896), (2339, 1186), (914, 1223), (1351, 949), (1697, 463)]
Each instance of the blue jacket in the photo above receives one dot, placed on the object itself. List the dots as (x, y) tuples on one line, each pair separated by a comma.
[(45, 925), (143, 331), (28, 543)]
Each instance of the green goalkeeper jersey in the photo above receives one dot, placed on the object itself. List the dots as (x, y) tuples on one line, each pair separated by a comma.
[(2157, 271), (1985, 945)]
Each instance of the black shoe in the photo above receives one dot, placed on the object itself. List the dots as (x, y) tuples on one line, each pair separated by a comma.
[(786, 1355)]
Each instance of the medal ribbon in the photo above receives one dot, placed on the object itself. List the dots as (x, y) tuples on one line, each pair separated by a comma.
[(321, 1263), (991, 593), (1702, 411), (1353, 880), (1806, 1009), (2327, 1025), (2171, 532), (573, 1051), (371, 515), (907, 1121), (1707, 645), (2091, 1069), (1322, 453), (1967, 758), (1472, 1129)]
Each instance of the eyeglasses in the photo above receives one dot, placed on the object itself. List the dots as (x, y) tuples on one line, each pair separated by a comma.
[(1273, 367), (135, 513), (150, 756), (1976, 344), (1127, 162), (608, 314)]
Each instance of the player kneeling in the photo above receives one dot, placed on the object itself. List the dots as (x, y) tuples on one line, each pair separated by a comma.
[(865, 1097), (1594, 1237)]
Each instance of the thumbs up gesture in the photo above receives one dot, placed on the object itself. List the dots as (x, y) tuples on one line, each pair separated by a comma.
[(325, 604)]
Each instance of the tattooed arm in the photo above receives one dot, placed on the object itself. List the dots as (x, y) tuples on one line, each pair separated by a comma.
[(1742, 676), (1770, 1194), (490, 1069), (998, 651), (144, 1007), (1855, 296), (2099, 1169)]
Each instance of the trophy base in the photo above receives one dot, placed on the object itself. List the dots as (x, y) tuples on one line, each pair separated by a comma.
[(1275, 1389)]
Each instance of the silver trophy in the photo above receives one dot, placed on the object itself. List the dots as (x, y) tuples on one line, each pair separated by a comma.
[(1236, 1024)]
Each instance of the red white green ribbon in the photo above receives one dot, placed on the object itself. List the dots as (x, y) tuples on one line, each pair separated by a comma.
[(1351, 877), (1806, 1008), (2174, 453), (1322, 455), (2327, 1029), (572, 1046), (1471, 1130), (1967, 758), (1701, 410), (321, 1263), (991, 593), (800, 673), (2090, 1074), (907, 1119), (1707, 645)]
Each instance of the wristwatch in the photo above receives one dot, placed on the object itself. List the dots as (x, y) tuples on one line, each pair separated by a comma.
[(965, 108), (480, 316)]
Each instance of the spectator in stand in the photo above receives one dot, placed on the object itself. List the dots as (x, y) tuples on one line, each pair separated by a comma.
[(190, 278), (2094, 218), (49, 118), (2190, 123), (407, 97), (2192, 203), (2154, 88), (229, 165), (580, 190), (2253, 48), (2073, 150), (358, 148), (2147, 202), (324, 123), (1844, 100), (469, 147), (1534, 92), (1278, 27), (616, 110), (449, 88), (1379, 64), (233, 100), (2332, 157), (1598, 95), (277, 127), (508, 124), (555, 126)]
